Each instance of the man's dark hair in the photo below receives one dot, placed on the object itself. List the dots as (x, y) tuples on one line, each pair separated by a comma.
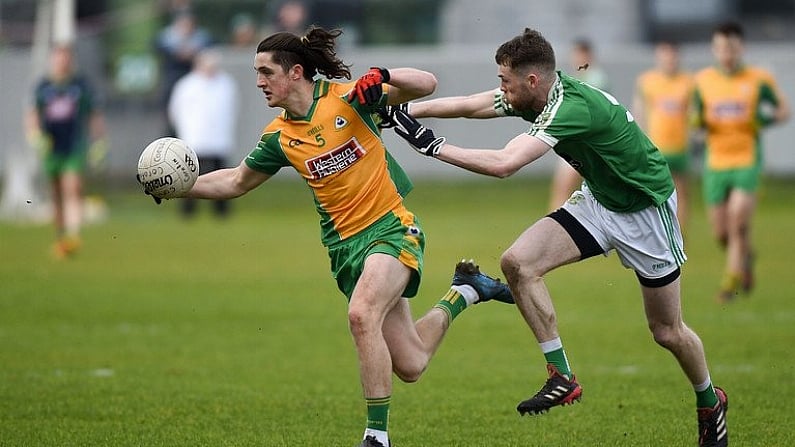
[(729, 29), (314, 51), (530, 49)]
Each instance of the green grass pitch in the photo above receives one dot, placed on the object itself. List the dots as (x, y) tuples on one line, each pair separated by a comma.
[(163, 332)]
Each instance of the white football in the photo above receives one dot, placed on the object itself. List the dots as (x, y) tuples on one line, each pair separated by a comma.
[(168, 168)]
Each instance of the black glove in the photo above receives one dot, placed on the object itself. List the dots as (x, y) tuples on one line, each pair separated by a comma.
[(368, 89), (418, 136), (387, 114), (157, 200)]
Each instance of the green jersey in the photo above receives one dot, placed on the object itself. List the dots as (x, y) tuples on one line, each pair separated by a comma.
[(599, 138)]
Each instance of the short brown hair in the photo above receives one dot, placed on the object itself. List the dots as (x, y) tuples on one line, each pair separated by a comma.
[(526, 50)]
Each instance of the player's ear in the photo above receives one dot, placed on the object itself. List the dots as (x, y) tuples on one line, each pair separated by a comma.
[(531, 79), (296, 72)]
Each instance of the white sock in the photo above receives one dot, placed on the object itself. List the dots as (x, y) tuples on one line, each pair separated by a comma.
[(468, 292), (380, 435), (703, 386), (551, 345)]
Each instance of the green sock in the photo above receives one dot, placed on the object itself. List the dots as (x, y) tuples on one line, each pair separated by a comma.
[(452, 303), (558, 359), (706, 398), (378, 412)]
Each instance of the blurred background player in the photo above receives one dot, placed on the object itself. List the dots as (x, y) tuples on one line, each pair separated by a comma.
[(291, 16), (62, 123), (584, 65), (204, 108), (733, 102), (661, 107), (178, 44), (566, 180)]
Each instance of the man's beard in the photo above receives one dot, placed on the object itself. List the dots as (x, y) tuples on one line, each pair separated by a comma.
[(522, 104)]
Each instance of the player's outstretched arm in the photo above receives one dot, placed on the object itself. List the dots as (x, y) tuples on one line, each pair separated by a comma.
[(520, 151), (227, 183), (477, 105)]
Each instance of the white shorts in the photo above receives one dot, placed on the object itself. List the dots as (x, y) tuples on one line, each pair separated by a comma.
[(648, 241)]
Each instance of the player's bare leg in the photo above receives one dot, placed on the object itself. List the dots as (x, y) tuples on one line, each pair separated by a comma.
[(68, 213), (57, 203), (412, 344), (72, 202), (540, 249), (376, 294), (740, 208), (377, 291), (664, 315), (730, 222)]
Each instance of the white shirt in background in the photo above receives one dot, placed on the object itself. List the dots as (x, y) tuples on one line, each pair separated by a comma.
[(203, 109)]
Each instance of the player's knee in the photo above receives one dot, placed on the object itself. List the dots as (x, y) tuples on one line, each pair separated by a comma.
[(667, 336), (742, 230), (409, 373), (517, 269), (361, 322), (510, 264)]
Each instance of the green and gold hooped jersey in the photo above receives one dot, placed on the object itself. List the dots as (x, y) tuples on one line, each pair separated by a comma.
[(599, 138), (337, 149)]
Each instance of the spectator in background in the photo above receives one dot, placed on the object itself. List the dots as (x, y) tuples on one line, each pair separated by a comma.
[(565, 180), (291, 16), (733, 102), (243, 31), (178, 44), (63, 121), (177, 6), (203, 108), (661, 106)]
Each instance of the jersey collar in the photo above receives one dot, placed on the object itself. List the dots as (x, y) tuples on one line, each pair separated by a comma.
[(552, 93), (321, 89)]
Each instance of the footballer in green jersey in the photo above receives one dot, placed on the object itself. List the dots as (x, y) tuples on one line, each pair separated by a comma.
[(627, 204)]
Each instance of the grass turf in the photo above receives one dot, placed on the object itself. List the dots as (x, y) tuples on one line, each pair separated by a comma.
[(165, 332)]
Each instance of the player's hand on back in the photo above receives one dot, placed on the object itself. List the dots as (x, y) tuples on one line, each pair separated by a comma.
[(369, 88)]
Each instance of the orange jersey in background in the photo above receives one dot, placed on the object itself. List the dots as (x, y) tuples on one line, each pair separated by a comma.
[(727, 105), (666, 101)]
